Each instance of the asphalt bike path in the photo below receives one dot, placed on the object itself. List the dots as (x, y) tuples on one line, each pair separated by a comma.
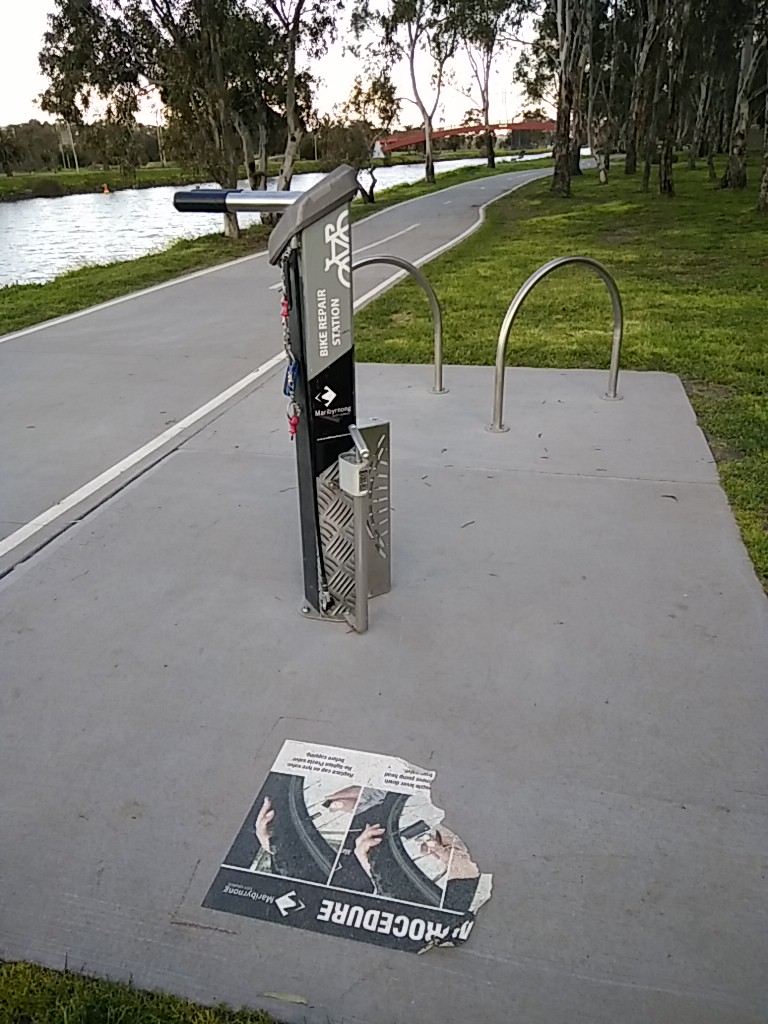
[(89, 401)]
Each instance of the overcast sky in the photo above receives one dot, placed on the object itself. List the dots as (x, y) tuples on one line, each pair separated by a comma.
[(21, 82)]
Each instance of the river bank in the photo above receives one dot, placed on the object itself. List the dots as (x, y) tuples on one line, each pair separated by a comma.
[(33, 185), (23, 305)]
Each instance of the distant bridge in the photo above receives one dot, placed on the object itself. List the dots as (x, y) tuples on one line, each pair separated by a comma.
[(404, 139)]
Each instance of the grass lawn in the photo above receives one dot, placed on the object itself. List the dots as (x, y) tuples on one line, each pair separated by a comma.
[(27, 304), (35, 995), (693, 273)]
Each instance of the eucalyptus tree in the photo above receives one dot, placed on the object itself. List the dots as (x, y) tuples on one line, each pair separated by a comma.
[(762, 202), (753, 46), (304, 29), (371, 111), (10, 152), (410, 30), (485, 28)]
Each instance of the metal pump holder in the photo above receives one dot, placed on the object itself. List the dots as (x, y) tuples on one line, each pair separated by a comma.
[(344, 503)]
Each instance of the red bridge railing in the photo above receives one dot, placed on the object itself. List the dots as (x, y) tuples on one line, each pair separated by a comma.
[(404, 139)]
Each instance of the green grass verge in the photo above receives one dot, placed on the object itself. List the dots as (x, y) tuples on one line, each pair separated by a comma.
[(692, 273), (35, 995), (23, 305)]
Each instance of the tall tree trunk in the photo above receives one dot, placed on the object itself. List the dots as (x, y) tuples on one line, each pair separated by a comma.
[(578, 138), (429, 155), (367, 194), (651, 141), (74, 150), (429, 158), (646, 38), (247, 141), (295, 129), (714, 120), (613, 121), (489, 150), (161, 146), (484, 83), (701, 115), (575, 155), (561, 177), (735, 176), (261, 177), (579, 128), (679, 17), (630, 161), (632, 127), (598, 136), (566, 43), (762, 202), (231, 226)]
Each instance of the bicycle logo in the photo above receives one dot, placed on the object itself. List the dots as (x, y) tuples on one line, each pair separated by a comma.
[(337, 237)]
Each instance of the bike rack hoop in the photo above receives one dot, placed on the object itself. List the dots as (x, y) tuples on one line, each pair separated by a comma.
[(434, 304), (497, 424)]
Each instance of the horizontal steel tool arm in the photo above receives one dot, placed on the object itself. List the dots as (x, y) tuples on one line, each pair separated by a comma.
[(232, 200)]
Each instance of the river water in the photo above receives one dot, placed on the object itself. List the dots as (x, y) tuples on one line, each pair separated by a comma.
[(41, 238)]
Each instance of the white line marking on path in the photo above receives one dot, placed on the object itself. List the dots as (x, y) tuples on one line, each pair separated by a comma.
[(108, 476), (364, 248), (114, 472), (381, 241)]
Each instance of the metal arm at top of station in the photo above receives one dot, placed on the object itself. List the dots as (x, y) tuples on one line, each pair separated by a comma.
[(300, 209), (227, 200)]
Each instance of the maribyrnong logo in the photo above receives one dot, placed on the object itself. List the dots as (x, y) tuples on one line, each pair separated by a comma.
[(289, 902), (337, 238)]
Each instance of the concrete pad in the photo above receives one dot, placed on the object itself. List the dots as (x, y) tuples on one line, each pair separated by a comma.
[(581, 658), (559, 422)]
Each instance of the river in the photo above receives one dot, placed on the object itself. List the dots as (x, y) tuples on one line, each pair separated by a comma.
[(42, 238)]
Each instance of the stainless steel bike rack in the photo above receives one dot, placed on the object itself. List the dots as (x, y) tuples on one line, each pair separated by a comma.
[(434, 305), (497, 426)]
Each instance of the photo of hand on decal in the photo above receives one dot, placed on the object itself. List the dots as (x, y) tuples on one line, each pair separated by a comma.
[(397, 848), (296, 827)]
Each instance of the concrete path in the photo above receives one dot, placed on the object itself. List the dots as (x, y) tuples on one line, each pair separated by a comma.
[(575, 641), (80, 396)]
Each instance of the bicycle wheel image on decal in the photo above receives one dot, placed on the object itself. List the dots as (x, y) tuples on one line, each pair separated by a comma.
[(293, 829), (349, 843)]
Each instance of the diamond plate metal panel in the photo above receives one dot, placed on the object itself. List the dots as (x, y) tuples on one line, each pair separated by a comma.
[(379, 525), (337, 539), (337, 527)]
